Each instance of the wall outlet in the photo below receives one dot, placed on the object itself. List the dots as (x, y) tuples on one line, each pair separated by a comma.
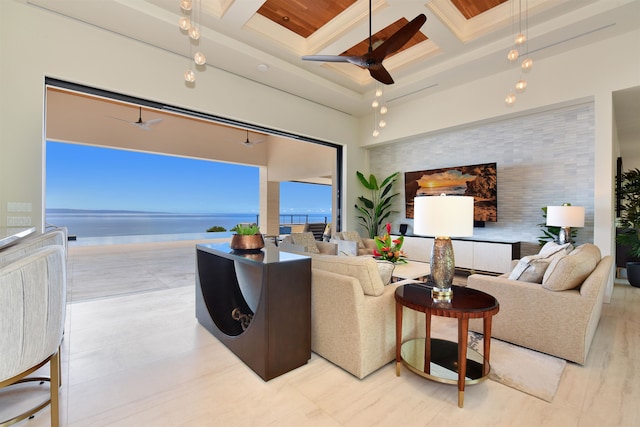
[(18, 221)]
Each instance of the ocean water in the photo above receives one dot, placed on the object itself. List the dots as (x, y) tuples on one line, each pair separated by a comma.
[(98, 224)]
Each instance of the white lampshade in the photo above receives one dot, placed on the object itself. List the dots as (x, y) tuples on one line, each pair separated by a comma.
[(565, 216), (445, 216)]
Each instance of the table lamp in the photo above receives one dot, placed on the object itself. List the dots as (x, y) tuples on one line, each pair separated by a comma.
[(565, 217), (443, 217)]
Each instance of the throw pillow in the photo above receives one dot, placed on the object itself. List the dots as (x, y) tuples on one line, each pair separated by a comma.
[(307, 240), (535, 270), (345, 248), (386, 270)]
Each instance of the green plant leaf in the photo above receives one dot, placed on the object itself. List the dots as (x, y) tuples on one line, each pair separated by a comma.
[(376, 208), (364, 181)]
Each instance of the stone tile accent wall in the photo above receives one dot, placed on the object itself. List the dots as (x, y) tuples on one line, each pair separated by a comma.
[(542, 159)]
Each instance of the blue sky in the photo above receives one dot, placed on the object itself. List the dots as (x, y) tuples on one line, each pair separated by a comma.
[(86, 177)]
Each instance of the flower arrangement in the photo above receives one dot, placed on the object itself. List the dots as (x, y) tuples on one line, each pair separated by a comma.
[(388, 249)]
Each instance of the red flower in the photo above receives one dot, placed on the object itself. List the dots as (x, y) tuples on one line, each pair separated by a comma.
[(388, 228)]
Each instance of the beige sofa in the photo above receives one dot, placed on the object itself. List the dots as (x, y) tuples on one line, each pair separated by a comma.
[(353, 314), (558, 316)]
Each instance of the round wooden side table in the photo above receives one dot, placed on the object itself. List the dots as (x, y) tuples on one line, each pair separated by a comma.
[(442, 360)]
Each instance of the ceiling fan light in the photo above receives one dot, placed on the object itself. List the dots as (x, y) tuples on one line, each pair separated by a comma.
[(375, 103), (375, 133), (185, 5), (521, 85), (527, 64), (190, 76), (520, 39), (382, 123), (510, 99), (383, 109), (199, 58), (194, 33), (184, 23), (378, 93), (513, 55)]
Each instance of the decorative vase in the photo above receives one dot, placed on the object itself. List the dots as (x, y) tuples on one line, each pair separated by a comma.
[(253, 242)]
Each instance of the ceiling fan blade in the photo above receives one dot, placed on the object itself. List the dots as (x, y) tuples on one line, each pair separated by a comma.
[(118, 118), (381, 74), (326, 58), (399, 38)]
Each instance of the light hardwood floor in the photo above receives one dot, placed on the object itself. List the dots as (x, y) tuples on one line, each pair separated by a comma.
[(141, 359)]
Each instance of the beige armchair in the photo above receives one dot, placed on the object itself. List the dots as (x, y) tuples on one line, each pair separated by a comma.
[(32, 313), (353, 314)]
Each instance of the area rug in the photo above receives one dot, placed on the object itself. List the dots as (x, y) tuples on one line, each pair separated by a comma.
[(525, 370)]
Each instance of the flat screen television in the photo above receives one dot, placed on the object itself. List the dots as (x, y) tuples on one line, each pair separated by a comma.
[(478, 181)]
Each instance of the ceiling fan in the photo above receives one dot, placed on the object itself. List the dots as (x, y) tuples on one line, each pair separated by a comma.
[(372, 60), (146, 125), (248, 143)]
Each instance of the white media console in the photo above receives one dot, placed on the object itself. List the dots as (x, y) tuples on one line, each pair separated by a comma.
[(471, 255)]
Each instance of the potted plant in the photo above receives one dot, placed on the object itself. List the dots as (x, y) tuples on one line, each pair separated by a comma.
[(377, 208), (630, 222), (247, 237)]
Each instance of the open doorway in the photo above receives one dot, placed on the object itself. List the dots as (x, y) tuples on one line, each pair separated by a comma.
[(99, 120)]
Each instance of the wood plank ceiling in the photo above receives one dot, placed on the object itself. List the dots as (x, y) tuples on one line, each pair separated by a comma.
[(305, 17)]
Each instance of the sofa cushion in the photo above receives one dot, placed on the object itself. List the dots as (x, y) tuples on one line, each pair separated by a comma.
[(364, 269), (307, 240), (569, 271), (551, 248)]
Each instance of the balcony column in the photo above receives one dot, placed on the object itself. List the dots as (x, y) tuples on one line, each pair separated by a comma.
[(269, 204)]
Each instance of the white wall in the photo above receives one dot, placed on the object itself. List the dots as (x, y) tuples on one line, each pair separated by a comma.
[(59, 47)]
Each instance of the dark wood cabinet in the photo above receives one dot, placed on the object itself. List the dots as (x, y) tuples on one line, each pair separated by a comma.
[(270, 287)]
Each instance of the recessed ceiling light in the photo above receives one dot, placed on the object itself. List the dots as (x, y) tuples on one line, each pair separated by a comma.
[(262, 67)]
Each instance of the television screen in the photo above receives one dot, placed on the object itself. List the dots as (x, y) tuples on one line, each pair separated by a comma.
[(479, 181)]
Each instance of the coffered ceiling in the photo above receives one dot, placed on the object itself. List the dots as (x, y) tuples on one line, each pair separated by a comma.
[(264, 40)]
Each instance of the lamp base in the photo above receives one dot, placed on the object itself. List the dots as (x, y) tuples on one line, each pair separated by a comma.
[(564, 236), (442, 294), (442, 268)]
